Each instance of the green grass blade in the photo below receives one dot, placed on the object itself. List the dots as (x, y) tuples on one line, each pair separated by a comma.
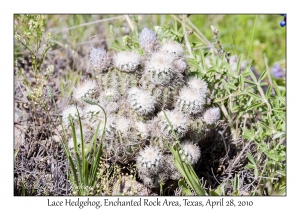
[(84, 173), (188, 173), (67, 152), (93, 142), (96, 159), (252, 38), (78, 163)]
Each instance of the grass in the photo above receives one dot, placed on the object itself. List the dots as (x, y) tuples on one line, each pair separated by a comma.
[(235, 32), (256, 115)]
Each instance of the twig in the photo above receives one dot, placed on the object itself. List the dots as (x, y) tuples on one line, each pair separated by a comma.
[(196, 34), (221, 50), (238, 158), (222, 136), (22, 91), (129, 22), (86, 24), (203, 37), (187, 43), (214, 175)]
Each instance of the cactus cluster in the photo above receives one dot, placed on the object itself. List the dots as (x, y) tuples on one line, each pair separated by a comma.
[(134, 89)]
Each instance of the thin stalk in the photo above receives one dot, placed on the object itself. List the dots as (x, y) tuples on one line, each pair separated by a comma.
[(206, 41), (32, 53), (252, 38), (129, 22), (267, 66), (196, 34), (88, 23), (187, 43)]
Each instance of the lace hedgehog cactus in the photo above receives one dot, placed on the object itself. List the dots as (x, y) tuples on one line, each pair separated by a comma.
[(134, 88), (127, 61), (160, 68), (148, 40), (99, 59)]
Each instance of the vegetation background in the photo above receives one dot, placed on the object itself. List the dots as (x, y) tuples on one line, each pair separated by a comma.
[(257, 38)]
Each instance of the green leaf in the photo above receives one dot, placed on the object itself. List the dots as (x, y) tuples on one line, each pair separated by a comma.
[(186, 170), (192, 62), (255, 105), (247, 134), (238, 67), (213, 193), (16, 153), (253, 77), (242, 82), (263, 75), (277, 91), (255, 96), (184, 188), (93, 141), (249, 81), (256, 172), (280, 110), (236, 183), (225, 84), (202, 60), (265, 126), (280, 172), (220, 189), (176, 33), (269, 91), (249, 166), (231, 86), (235, 109), (272, 155), (237, 93), (251, 159), (264, 84), (246, 73)]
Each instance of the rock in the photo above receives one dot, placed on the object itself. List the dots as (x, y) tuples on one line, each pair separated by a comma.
[(128, 186)]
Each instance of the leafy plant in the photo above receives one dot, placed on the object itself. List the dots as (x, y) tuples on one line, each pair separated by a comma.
[(30, 35), (88, 155), (254, 107)]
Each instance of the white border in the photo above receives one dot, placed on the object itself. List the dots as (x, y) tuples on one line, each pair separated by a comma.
[(8, 8)]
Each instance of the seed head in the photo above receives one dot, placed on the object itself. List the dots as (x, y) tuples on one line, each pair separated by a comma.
[(127, 61), (99, 59), (148, 40), (93, 114), (211, 115)]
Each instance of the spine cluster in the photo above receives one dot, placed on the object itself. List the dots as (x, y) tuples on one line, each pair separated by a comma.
[(136, 90)]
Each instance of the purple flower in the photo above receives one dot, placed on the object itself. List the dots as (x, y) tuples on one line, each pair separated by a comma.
[(277, 71)]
